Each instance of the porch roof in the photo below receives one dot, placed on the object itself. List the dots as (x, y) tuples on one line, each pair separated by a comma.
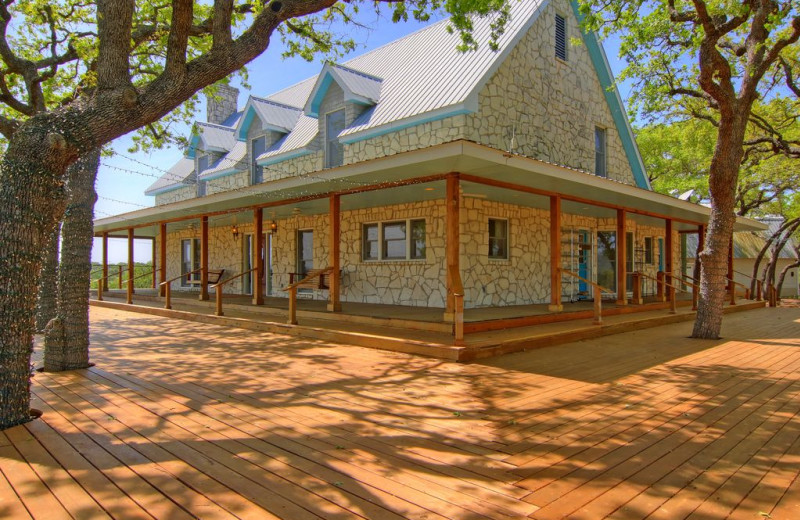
[(486, 173)]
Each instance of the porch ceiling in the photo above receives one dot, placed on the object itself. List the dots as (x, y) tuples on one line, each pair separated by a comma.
[(306, 194)]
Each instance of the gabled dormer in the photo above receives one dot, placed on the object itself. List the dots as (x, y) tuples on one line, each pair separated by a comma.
[(339, 96), (264, 122)]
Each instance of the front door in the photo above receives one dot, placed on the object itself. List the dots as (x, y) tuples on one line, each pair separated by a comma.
[(584, 260), (607, 259)]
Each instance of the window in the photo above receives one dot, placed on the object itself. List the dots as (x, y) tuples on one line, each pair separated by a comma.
[(305, 251), (334, 152), (397, 240), (257, 147), (561, 38), (648, 250), (203, 163), (190, 261), (498, 239), (600, 152)]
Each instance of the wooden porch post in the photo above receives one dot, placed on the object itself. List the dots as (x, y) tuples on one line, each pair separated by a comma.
[(334, 303), (105, 262), (131, 267), (257, 262), (668, 260), (162, 274), (622, 265), (452, 239), (155, 280), (204, 258), (555, 254)]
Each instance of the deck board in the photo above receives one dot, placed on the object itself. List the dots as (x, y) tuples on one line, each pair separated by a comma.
[(190, 420)]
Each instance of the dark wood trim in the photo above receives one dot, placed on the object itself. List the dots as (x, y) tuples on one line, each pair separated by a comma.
[(105, 258), (256, 261), (131, 266), (296, 200), (162, 274), (204, 257), (335, 216), (452, 232), (668, 256), (555, 254), (622, 258), (572, 198)]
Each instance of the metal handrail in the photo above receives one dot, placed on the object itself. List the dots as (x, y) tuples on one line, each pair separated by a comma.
[(218, 288)]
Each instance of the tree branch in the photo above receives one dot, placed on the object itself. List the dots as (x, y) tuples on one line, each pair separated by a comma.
[(114, 22), (178, 41)]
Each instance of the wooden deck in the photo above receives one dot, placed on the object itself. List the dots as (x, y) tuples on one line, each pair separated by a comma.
[(182, 420)]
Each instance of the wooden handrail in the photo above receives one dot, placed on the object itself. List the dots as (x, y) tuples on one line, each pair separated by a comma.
[(759, 286), (168, 287), (118, 274), (598, 294), (218, 288), (292, 290), (734, 283), (153, 272)]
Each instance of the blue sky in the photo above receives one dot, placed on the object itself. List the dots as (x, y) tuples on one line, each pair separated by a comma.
[(122, 179)]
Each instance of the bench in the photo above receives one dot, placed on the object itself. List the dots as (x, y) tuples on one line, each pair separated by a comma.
[(315, 279), (214, 277)]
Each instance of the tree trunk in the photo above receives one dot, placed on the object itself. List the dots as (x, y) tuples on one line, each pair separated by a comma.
[(67, 348), (46, 306), (723, 177), (782, 276), (33, 201)]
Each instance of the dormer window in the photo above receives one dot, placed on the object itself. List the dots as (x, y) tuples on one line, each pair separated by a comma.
[(203, 162), (561, 38), (257, 147), (334, 152)]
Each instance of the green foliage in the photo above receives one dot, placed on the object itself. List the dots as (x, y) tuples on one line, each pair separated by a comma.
[(142, 274)]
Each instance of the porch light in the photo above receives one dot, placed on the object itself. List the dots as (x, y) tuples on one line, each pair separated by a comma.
[(273, 227), (235, 231)]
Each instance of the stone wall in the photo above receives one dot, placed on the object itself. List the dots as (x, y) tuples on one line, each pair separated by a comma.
[(550, 107), (182, 193), (311, 162), (230, 182), (224, 103)]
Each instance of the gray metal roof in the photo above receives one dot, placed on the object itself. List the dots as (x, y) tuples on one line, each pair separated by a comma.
[(294, 143), (749, 244), (216, 137), (179, 175), (274, 115), (233, 161)]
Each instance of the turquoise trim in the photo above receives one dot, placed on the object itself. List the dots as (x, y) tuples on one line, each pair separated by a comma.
[(219, 174), (614, 103), (282, 157), (247, 120), (191, 152), (319, 94), (165, 189), (389, 128)]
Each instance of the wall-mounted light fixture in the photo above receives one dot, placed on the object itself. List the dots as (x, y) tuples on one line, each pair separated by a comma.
[(235, 231), (273, 227)]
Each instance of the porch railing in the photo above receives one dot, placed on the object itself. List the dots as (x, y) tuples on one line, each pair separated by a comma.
[(102, 283), (759, 287), (597, 292), (218, 290), (130, 281), (168, 287), (733, 290), (292, 290)]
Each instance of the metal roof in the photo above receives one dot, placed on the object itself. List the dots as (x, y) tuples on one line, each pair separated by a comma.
[(230, 163), (274, 115), (216, 137), (177, 176), (749, 245), (294, 143)]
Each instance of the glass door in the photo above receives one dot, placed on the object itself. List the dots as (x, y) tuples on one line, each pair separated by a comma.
[(607, 259), (305, 251)]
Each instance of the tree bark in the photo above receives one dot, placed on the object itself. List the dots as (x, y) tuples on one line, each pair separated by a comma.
[(32, 198), (782, 277), (67, 345), (723, 177), (48, 282)]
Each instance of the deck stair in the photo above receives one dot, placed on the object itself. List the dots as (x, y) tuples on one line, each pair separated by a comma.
[(410, 336)]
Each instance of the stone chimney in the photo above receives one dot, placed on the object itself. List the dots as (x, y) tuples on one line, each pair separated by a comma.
[(225, 104)]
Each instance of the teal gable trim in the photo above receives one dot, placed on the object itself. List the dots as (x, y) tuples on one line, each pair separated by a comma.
[(316, 101), (165, 189), (219, 174), (282, 157), (614, 102), (193, 142), (247, 120), (389, 128)]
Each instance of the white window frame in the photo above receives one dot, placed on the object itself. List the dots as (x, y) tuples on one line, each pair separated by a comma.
[(507, 239), (652, 250), (253, 158), (381, 258), (189, 280)]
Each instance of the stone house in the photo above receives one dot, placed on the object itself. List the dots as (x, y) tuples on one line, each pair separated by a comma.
[(419, 175)]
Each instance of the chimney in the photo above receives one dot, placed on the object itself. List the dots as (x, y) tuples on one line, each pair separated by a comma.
[(224, 103)]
